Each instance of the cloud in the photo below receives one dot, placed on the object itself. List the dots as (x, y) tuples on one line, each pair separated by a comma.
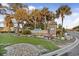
[(2, 18), (31, 7), (73, 20), (5, 4), (2, 21), (75, 23)]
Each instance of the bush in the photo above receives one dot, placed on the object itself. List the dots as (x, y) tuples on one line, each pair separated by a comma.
[(26, 31), (11, 31), (20, 31), (58, 32), (41, 25), (3, 31)]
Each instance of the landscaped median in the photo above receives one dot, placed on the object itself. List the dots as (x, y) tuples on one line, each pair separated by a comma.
[(10, 39)]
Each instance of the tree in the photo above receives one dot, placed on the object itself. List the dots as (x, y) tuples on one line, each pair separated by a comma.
[(44, 13), (8, 22), (47, 16), (20, 15), (36, 16), (15, 6), (62, 11)]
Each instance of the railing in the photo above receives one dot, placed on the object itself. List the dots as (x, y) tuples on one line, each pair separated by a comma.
[(64, 50)]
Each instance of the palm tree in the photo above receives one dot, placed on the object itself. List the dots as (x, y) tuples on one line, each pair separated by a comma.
[(47, 15), (62, 11), (36, 16), (20, 13), (15, 6), (8, 22), (20, 16)]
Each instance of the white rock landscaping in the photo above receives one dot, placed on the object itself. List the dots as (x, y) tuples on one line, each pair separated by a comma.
[(24, 49)]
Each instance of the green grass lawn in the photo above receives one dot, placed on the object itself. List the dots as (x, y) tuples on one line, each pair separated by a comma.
[(7, 38)]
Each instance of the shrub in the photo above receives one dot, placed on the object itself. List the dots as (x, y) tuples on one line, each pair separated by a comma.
[(41, 25), (12, 31), (20, 31), (26, 31), (3, 31)]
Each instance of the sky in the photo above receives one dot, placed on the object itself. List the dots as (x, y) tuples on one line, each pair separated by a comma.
[(69, 21)]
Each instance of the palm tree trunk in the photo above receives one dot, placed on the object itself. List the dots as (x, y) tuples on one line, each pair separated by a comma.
[(22, 27), (17, 28), (62, 26), (35, 23), (9, 29), (45, 25)]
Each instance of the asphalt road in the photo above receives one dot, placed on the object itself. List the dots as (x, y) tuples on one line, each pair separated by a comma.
[(74, 51)]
